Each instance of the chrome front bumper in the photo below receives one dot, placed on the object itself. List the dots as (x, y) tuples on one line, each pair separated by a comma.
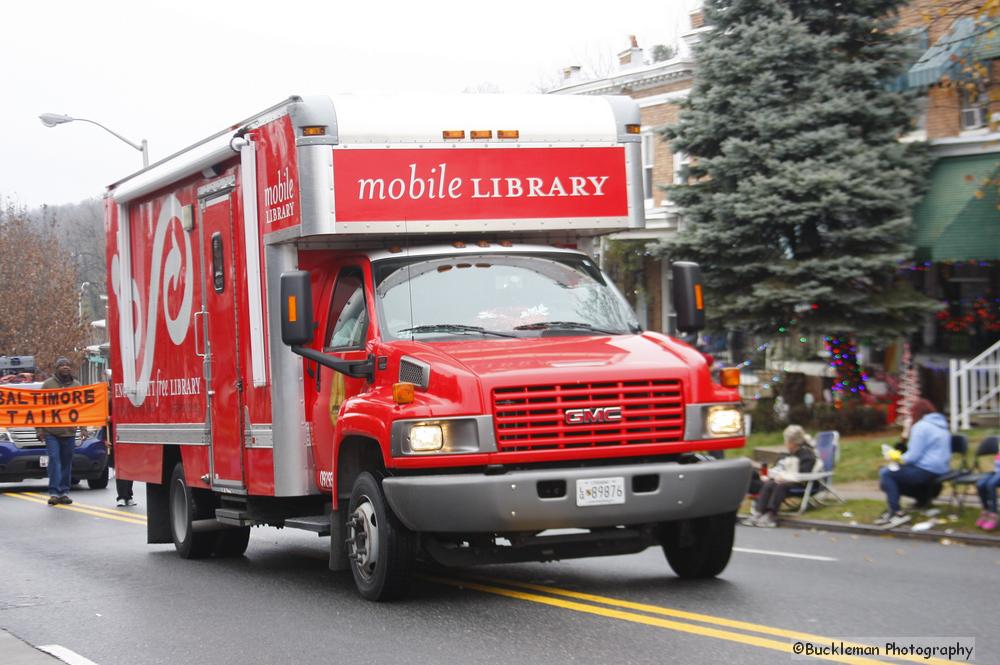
[(479, 503)]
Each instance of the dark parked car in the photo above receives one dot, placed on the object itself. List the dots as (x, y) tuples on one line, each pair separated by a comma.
[(23, 456)]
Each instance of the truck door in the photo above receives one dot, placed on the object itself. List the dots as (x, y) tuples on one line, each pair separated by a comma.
[(222, 360), (345, 335)]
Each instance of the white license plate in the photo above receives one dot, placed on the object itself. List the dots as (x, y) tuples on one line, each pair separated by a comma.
[(600, 491), (43, 461)]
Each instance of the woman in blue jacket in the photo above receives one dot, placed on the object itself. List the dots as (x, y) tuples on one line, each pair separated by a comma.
[(927, 456)]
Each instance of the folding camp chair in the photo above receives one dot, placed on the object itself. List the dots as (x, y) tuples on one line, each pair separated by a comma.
[(818, 483), (986, 448)]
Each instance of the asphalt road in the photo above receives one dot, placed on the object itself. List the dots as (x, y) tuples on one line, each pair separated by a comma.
[(82, 577)]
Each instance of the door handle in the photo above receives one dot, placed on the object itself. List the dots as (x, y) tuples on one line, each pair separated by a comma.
[(196, 335)]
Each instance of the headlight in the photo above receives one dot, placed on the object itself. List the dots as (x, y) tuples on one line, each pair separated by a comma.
[(4, 436), (724, 421), (426, 438), (448, 436)]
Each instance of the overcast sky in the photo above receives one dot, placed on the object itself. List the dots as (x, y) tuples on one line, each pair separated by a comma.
[(174, 72)]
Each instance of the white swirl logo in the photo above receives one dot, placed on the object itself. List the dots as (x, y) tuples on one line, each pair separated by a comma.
[(176, 268)]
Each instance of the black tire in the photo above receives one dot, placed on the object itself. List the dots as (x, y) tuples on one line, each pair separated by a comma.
[(379, 547), (699, 548), (100, 482), (231, 542), (185, 506)]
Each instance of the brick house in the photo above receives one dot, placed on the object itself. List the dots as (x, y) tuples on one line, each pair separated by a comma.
[(957, 79)]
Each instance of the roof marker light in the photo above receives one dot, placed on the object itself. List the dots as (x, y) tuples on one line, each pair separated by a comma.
[(453, 134), (508, 133), (481, 133)]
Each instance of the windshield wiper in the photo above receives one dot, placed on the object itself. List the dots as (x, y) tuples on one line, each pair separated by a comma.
[(566, 325), (455, 328)]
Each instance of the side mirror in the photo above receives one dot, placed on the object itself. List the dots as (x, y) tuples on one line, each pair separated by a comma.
[(297, 327), (688, 300), (296, 308)]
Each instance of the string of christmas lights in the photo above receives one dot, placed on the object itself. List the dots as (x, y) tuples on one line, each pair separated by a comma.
[(844, 361)]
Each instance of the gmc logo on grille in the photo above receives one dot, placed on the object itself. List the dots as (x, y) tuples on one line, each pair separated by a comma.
[(600, 414)]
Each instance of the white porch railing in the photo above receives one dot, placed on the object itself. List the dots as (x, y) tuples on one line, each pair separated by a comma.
[(974, 387)]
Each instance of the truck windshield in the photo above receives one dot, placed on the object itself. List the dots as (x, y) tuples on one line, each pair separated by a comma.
[(497, 295)]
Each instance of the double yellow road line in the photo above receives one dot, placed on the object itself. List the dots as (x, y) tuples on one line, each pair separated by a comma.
[(656, 616), (706, 625), (82, 508)]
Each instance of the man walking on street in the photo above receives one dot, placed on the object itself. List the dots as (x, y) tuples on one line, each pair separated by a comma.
[(60, 442)]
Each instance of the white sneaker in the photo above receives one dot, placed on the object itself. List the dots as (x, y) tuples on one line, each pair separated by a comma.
[(766, 521), (898, 518), (121, 503), (125, 502)]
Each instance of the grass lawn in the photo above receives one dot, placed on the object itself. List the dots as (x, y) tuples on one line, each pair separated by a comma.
[(864, 511), (860, 454)]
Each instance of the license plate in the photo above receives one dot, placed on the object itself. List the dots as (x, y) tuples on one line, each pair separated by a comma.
[(600, 491), (43, 461)]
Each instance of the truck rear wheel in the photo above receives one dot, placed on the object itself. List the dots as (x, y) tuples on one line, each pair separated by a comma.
[(699, 548), (187, 505), (379, 547)]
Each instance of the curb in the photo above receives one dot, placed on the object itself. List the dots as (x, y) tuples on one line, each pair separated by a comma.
[(18, 652), (869, 530)]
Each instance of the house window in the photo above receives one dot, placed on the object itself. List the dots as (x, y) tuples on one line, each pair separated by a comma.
[(681, 162), (648, 143), (975, 110)]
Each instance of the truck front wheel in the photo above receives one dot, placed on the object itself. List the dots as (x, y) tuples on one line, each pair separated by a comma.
[(379, 547), (186, 506), (699, 548)]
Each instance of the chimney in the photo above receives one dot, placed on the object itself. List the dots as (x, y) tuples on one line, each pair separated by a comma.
[(632, 56), (572, 74), (697, 19)]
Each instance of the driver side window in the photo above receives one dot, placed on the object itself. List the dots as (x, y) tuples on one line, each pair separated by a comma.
[(347, 324)]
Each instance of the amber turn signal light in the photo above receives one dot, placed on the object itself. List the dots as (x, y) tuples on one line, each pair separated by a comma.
[(730, 377), (633, 129), (314, 131), (403, 392)]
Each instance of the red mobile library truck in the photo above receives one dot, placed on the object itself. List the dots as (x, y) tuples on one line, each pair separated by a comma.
[(377, 319)]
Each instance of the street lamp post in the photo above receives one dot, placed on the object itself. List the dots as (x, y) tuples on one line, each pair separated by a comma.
[(53, 119)]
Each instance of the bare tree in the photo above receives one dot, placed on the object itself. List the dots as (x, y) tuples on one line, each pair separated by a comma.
[(39, 312), (80, 228)]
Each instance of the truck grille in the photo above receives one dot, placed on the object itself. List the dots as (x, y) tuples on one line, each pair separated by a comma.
[(534, 417)]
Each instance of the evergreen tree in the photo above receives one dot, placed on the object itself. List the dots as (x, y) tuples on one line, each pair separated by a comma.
[(799, 193)]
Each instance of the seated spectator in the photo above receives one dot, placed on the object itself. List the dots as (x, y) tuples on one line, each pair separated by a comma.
[(987, 487), (915, 472), (784, 475)]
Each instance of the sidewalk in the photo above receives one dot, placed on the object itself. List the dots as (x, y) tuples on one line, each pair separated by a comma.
[(18, 652)]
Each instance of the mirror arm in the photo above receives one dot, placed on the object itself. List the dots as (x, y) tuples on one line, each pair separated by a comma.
[(363, 369)]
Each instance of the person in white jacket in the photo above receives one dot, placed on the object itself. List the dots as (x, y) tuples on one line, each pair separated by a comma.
[(783, 476)]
